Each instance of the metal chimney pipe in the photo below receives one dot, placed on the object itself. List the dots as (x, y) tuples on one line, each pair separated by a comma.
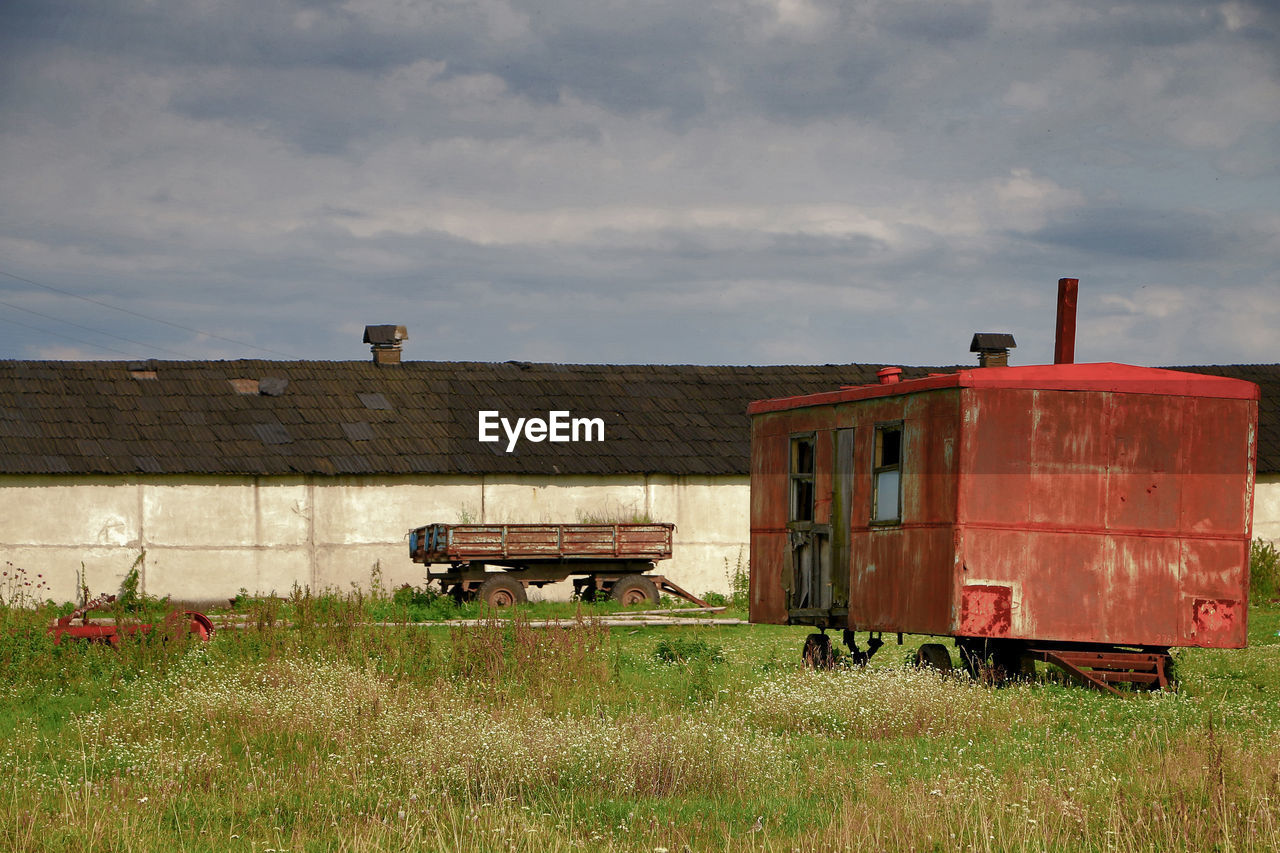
[(1064, 339), (889, 375)]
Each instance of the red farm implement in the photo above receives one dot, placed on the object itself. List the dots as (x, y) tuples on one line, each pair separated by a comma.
[(178, 622)]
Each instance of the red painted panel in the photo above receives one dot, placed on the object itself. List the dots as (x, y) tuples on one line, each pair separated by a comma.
[(1218, 623), (1140, 577), (824, 467), (1148, 442), (901, 579), (767, 598), (986, 611), (770, 450), (998, 430), (1069, 456), (1214, 463), (931, 454)]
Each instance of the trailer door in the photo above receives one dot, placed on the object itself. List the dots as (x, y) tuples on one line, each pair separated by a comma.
[(810, 542), (841, 515)]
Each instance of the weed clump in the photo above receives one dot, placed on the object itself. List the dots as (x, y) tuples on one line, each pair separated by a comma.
[(683, 649), (1264, 571)]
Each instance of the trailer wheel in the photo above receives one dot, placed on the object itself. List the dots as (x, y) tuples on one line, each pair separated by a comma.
[(934, 656), (817, 652), (501, 591), (634, 589)]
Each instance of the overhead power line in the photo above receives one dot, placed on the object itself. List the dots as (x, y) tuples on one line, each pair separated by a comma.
[(45, 331), (95, 331), (140, 316)]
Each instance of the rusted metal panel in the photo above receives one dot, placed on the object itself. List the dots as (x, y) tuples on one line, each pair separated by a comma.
[(455, 543), (1213, 457), (986, 610), (768, 591), (1144, 470), (1217, 622)]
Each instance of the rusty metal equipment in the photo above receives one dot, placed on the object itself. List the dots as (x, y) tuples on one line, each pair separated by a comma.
[(496, 563), (1090, 516), (189, 621)]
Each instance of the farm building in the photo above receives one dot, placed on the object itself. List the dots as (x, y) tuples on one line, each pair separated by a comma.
[(215, 476)]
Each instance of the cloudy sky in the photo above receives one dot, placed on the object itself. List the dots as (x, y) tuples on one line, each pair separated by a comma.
[(730, 181)]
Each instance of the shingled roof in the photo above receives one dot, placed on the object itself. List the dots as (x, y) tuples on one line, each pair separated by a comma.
[(329, 418)]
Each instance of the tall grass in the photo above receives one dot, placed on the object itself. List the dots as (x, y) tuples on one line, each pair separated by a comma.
[(311, 729), (1264, 571)]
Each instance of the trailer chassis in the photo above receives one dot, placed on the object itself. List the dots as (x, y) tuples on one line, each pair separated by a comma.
[(503, 583), (997, 660)]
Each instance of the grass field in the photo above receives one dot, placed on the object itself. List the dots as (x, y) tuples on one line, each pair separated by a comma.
[(326, 734)]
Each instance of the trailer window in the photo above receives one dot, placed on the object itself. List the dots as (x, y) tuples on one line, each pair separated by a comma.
[(887, 475), (802, 478)]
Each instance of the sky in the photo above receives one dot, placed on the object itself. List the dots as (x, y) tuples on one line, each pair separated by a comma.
[(719, 182)]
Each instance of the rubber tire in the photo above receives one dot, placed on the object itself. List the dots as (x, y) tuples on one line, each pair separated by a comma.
[(634, 589), (934, 656), (817, 652), (501, 591)]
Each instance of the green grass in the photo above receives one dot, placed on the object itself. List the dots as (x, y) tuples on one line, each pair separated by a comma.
[(308, 730)]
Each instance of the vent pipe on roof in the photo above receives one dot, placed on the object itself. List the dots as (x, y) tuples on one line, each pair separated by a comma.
[(992, 348), (1064, 338), (385, 341), (889, 375)]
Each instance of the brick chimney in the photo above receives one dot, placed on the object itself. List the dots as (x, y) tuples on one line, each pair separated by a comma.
[(385, 341), (992, 348)]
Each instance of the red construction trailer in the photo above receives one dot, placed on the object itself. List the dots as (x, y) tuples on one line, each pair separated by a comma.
[(1088, 515)]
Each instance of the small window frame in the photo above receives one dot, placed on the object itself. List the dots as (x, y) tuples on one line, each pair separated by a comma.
[(879, 467), (801, 483)]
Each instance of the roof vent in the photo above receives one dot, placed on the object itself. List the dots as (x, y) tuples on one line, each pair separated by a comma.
[(889, 375), (992, 348), (143, 369), (272, 386), (385, 342)]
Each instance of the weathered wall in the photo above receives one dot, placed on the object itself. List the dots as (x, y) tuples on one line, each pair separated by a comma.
[(206, 538), (1266, 507)]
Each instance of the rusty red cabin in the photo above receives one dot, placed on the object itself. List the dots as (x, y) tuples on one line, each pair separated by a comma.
[(1072, 503)]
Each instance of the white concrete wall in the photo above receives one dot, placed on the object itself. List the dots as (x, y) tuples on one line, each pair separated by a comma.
[(1266, 508), (206, 538)]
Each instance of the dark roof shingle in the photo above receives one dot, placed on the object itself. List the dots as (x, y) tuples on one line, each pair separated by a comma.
[(320, 417)]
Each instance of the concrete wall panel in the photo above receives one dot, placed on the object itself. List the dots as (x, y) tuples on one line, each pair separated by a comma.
[(339, 567), (1266, 507), (216, 512), (215, 575), (705, 509), (370, 510), (704, 567), (57, 567), (283, 512), (563, 500), (86, 511)]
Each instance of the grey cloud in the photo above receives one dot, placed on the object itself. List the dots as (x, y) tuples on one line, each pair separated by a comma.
[(905, 110), (1142, 234), (934, 22)]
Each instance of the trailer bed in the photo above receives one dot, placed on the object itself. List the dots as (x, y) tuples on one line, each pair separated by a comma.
[(530, 543)]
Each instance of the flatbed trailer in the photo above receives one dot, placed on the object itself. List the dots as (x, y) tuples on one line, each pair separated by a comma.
[(496, 563)]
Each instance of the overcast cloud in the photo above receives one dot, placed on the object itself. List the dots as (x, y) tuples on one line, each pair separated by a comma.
[(718, 182)]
